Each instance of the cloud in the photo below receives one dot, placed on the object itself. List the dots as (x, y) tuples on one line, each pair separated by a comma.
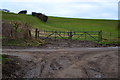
[(57, 1), (67, 8)]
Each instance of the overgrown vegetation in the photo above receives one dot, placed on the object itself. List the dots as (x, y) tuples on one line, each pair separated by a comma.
[(23, 42), (18, 34)]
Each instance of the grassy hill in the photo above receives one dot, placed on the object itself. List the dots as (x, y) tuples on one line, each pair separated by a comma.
[(109, 27)]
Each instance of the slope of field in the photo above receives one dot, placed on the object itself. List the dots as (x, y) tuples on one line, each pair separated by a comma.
[(109, 27), (82, 24), (59, 23)]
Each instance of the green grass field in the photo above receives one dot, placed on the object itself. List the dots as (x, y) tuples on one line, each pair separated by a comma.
[(108, 27)]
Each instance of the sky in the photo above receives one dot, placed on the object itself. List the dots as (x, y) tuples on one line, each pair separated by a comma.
[(89, 9)]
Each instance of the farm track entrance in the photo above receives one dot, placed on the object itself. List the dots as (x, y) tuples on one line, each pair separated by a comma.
[(78, 35)]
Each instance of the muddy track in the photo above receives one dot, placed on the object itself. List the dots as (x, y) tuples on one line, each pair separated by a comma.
[(66, 63)]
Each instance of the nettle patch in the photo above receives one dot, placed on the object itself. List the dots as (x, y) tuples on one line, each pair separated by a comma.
[(16, 30)]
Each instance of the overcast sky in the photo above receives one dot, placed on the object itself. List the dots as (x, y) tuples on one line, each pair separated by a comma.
[(91, 9)]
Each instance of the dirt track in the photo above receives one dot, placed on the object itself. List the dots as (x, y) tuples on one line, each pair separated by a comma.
[(64, 43), (66, 63)]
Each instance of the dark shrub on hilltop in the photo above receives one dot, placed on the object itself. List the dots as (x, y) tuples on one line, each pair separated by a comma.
[(41, 16), (23, 12)]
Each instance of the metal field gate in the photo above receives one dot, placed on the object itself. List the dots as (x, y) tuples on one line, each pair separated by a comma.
[(78, 35)]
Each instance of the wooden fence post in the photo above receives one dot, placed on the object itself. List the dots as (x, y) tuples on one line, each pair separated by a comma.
[(70, 34), (36, 33), (100, 35), (29, 33), (85, 35)]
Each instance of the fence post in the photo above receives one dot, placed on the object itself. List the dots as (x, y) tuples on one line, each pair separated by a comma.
[(29, 33), (70, 34), (36, 33), (85, 36), (100, 35)]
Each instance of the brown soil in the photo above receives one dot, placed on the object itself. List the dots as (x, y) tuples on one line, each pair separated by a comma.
[(61, 63)]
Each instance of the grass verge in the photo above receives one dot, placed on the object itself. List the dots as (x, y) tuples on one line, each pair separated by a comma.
[(22, 42)]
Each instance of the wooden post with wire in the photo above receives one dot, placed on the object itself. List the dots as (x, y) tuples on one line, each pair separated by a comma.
[(36, 33), (30, 33), (100, 35)]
